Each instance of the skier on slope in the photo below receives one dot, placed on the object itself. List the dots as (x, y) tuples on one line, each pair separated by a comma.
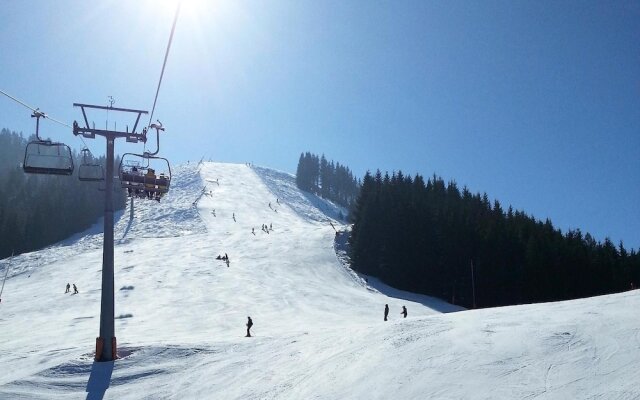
[(386, 311), (249, 325), (404, 311), (75, 289), (68, 288)]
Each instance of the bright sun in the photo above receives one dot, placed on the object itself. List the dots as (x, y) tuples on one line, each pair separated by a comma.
[(188, 7)]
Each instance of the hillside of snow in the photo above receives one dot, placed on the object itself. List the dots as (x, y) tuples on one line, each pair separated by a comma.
[(319, 331)]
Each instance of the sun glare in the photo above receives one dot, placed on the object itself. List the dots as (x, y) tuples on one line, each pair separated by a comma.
[(190, 8)]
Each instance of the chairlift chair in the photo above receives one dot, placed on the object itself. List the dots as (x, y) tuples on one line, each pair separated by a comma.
[(47, 157), (138, 174), (88, 171)]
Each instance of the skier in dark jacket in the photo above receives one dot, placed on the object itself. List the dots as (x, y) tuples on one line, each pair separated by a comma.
[(386, 311), (68, 288), (75, 289), (404, 311), (249, 325)]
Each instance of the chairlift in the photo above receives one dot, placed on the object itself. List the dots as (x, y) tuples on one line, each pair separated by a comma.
[(88, 171), (138, 172), (47, 157), (138, 175)]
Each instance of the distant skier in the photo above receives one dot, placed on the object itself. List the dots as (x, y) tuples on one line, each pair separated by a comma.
[(234, 217), (271, 226), (253, 231), (75, 289), (404, 311), (68, 288), (386, 311), (270, 205), (249, 325)]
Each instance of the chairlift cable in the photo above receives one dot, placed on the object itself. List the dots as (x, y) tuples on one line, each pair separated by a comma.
[(164, 64), (34, 109), (43, 114), (17, 101)]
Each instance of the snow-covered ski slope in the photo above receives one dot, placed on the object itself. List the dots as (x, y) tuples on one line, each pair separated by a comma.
[(318, 330)]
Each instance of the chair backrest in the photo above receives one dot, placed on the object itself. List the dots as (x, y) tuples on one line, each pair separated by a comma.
[(45, 157)]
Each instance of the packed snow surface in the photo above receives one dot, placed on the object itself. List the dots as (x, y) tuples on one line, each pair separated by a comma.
[(319, 331)]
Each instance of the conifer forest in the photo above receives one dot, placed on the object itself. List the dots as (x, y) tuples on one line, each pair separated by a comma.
[(327, 179), (36, 210), (433, 238)]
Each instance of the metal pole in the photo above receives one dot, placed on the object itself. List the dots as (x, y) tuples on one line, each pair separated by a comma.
[(6, 273), (106, 347), (131, 209), (107, 328), (473, 285)]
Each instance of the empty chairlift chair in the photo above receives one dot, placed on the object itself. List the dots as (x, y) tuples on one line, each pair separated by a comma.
[(45, 156), (89, 171)]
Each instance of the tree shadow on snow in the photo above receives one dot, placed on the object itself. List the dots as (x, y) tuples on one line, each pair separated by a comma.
[(431, 302), (99, 380)]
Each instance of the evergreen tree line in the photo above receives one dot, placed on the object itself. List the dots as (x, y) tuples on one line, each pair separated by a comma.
[(328, 180), (40, 210), (434, 239)]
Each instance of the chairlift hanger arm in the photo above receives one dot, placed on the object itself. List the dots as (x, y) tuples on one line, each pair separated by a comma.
[(37, 114), (158, 127)]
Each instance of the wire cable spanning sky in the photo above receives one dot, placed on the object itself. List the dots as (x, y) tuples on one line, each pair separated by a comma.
[(535, 103)]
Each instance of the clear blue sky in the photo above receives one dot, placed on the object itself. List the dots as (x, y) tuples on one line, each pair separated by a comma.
[(536, 103)]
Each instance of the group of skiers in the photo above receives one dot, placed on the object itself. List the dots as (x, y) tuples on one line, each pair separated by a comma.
[(265, 228), (75, 289), (386, 316), (386, 311), (224, 258)]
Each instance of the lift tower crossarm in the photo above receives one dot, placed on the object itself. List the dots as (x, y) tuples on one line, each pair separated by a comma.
[(77, 130)]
